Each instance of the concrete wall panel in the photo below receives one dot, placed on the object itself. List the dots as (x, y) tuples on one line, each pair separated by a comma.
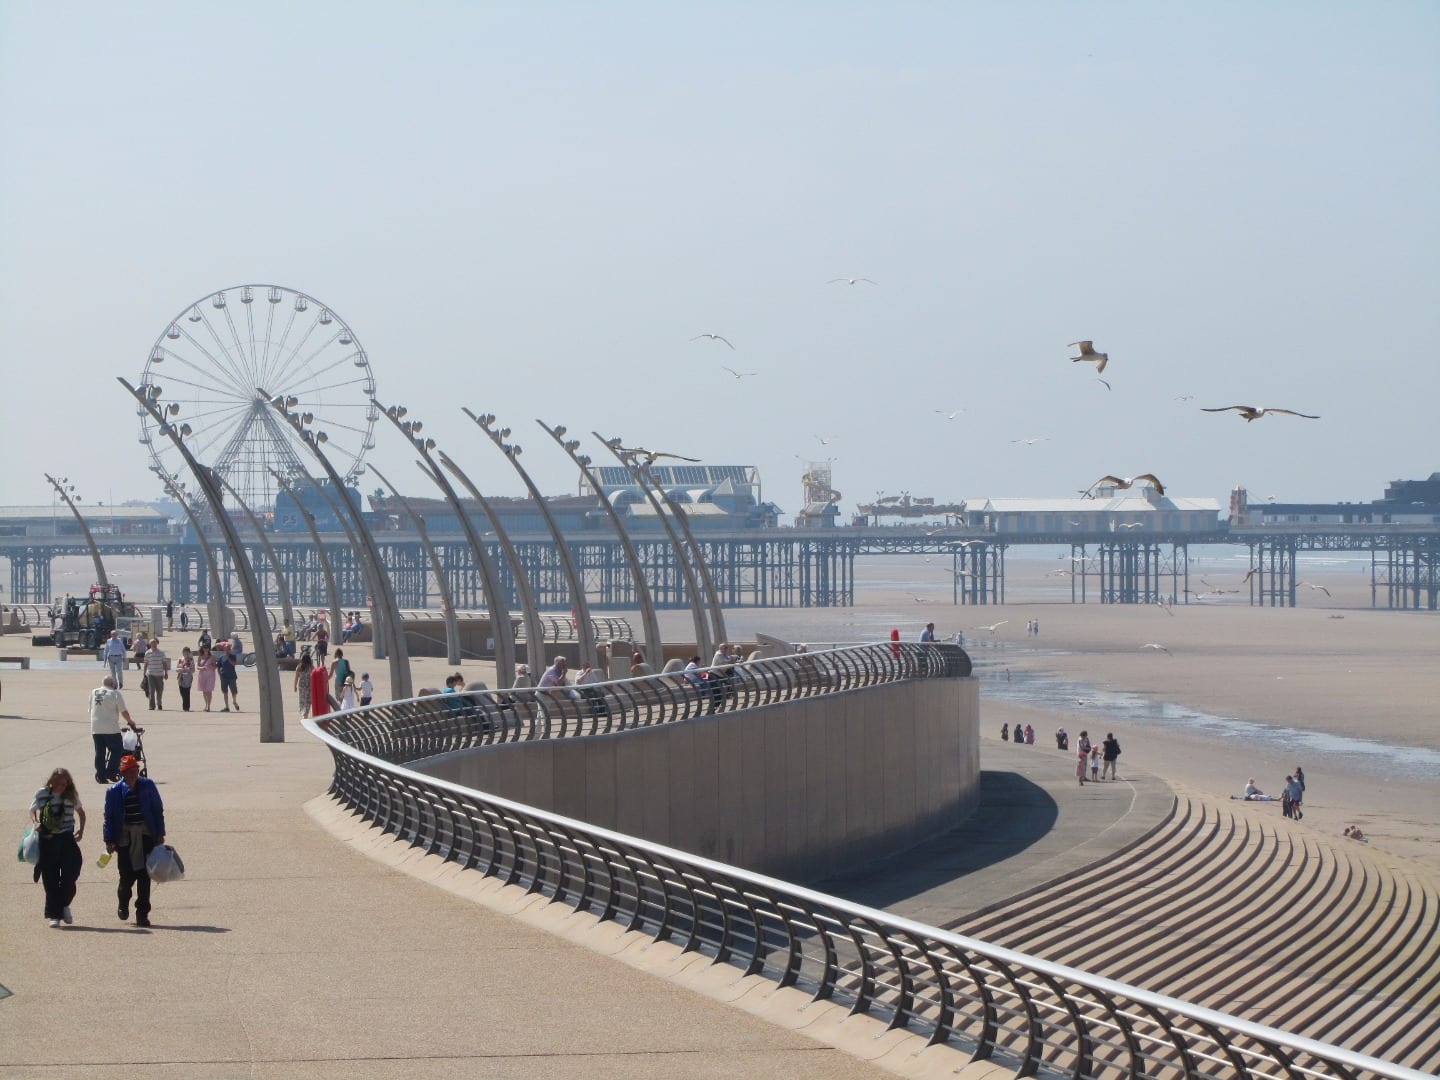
[(800, 789)]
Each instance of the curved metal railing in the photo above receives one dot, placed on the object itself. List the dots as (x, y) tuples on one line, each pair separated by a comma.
[(992, 1003), (446, 723)]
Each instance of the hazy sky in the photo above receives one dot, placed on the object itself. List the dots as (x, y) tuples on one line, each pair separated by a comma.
[(530, 209)]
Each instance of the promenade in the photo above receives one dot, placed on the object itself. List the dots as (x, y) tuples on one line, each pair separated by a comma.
[(286, 954)]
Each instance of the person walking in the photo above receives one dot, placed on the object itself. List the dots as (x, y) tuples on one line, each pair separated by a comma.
[(59, 821), (1110, 755), (205, 672), (348, 700), (1095, 764), (322, 643), (170, 614), (319, 689), (340, 670), (107, 708), (185, 677), (301, 685), (229, 681), (157, 671), (113, 653), (367, 689), (134, 827), (1081, 757)]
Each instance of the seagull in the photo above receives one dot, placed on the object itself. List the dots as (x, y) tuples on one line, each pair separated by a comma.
[(1130, 524), (992, 627), (1249, 574), (739, 374), (1106, 382), (651, 456), (962, 573), (1152, 645), (968, 543), (950, 415), (826, 440), (1160, 603), (919, 599), (1310, 586), (712, 337), (1077, 522), (850, 281), (1255, 412), (1061, 573), (1124, 483), (1033, 441), (1182, 398), (1087, 352)]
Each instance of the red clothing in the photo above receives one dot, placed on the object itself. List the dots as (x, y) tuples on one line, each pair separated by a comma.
[(319, 690)]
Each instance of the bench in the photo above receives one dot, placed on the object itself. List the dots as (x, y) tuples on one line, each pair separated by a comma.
[(23, 661)]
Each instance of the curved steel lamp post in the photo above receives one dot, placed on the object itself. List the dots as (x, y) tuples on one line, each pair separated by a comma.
[(717, 612), (176, 490), (452, 624), (382, 622), (654, 644), (495, 602), (63, 488), (272, 705), (332, 591), (584, 626), (534, 629), (387, 614), (280, 587), (703, 644)]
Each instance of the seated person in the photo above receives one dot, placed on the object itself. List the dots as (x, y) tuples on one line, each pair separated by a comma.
[(1354, 833), (1254, 794), (693, 674)]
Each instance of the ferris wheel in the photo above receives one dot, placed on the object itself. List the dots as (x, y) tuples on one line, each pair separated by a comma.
[(217, 355)]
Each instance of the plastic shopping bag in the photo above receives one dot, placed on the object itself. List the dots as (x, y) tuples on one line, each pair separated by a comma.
[(164, 864), (129, 740), (29, 849)]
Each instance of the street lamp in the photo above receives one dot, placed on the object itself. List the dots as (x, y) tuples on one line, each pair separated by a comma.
[(447, 605), (584, 627), (218, 614), (703, 644), (387, 613), (332, 592), (499, 609), (280, 587), (64, 488), (654, 644), (272, 705)]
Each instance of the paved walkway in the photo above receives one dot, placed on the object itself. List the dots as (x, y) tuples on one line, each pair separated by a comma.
[(285, 954)]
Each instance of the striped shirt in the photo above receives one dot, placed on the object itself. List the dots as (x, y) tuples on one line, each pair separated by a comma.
[(155, 662), (57, 813)]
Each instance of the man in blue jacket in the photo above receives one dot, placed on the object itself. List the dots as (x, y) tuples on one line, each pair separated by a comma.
[(134, 825)]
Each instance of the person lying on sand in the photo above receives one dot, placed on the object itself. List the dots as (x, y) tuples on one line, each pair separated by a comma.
[(1254, 794), (1354, 833)]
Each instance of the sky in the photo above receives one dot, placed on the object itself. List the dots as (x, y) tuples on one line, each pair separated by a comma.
[(532, 209)]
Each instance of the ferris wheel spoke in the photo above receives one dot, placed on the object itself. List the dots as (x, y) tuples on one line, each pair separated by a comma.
[(190, 363), (281, 375), (276, 354), (227, 362), (241, 360)]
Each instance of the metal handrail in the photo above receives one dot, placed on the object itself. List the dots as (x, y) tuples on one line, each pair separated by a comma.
[(993, 1003), (454, 722)]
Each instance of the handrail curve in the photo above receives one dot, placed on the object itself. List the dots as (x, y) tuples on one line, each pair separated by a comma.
[(1040, 1017)]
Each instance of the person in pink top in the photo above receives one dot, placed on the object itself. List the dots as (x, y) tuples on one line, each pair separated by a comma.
[(205, 673)]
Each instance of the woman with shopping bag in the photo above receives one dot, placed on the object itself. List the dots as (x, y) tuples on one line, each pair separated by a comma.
[(59, 822)]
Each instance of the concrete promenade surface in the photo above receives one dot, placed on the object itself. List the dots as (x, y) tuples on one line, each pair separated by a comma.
[(285, 954)]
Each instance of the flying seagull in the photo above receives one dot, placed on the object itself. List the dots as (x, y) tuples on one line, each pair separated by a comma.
[(1255, 412), (1087, 352), (1032, 441), (850, 281), (651, 456), (1152, 645), (826, 440), (739, 374), (1310, 586), (1124, 483), (1105, 381), (712, 337), (949, 415), (992, 627), (1130, 524)]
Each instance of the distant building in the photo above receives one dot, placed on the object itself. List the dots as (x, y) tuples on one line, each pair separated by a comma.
[(1132, 511), (1406, 502), (58, 521)]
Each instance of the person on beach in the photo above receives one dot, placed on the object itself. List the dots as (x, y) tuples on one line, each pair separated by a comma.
[(1029, 735), (1005, 732), (114, 656), (1300, 779), (1080, 759), (301, 683), (1062, 739), (1253, 793), (134, 827), (1110, 756), (1084, 743), (1095, 764), (107, 708), (185, 677), (59, 822), (205, 670), (1293, 795), (367, 689), (1354, 833)]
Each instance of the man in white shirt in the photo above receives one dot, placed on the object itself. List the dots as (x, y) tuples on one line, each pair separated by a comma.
[(156, 672), (106, 709), (113, 653)]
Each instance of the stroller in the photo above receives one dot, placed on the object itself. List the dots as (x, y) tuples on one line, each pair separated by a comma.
[(138, 749)]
